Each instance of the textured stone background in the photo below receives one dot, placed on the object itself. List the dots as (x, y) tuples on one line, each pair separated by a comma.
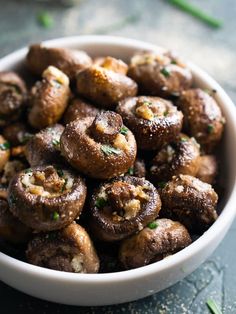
[(157, 22)]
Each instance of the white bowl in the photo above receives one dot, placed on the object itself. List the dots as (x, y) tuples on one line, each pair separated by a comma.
[(112, 288)]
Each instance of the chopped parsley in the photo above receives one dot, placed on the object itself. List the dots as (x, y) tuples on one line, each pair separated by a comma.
[(124, 130), (55, 216), (161, 184), (173, 62), (45, 19), (55, 142), (210, 128), (131, 171), (152, 225), (28, 170), (148, 103), (5, 146), (108, 150), (100, 202), (165, 72), (183, 139), (165, 113), (213, 307), (60, 172)]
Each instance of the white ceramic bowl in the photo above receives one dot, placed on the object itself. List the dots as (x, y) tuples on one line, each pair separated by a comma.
[(102, 289)]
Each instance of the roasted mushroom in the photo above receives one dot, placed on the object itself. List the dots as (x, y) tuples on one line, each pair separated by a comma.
[(11, 168), (69, 249), (104, 87), (161, 238), (46, 198), (68, 61), (179, 157), (153, 120), (13, 95), (159, 74), (202, 117), (113, 64), (49, 98), (17, 133), (99, 147), (79, 109), (122, 207), (44, 147), (207, 170), (190, 201), (11, 229), (4, 152)]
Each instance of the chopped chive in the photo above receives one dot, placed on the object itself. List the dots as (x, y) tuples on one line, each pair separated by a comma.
[(213, 307), (165, 72), (100, 202), (5, 146), (55, 216), (45, 19), (210, 128), (152, 225), (131, 171), (161, 184), (108, 150), (196, 12), (60, 172), (56, 142), (124, 130)]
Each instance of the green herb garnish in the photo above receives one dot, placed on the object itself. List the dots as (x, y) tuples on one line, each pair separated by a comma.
[(28, 170), (210, 128), (196, 12), (5, 146), (148, 103), (165, 72), (165, 113), (45, 19), (23, 139), (100, 202), (161, 184), (124, 130), (108, 150), (152, 225), (131, 171), (60, 172), (56, 142), (213, 307), (173, 62), (183, 139), (55, 216)]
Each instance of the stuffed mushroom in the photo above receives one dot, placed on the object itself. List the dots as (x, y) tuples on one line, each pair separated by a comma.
[(153, 120), (100, 147), (122, 207), (46, 198)]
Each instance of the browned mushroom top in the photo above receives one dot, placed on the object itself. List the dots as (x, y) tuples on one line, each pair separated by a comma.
[(159, 74), (68, 61), (13, 94), (122, 207), (99, 147), (69, 249), (154, 121), (161, 238), (208, 168), (179, 157), (78, 109), (49, 98), (104, 87), (202, 117), (190, 201), (113, 64)]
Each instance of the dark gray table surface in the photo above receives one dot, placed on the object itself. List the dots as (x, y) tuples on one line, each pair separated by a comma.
[(157, 22)]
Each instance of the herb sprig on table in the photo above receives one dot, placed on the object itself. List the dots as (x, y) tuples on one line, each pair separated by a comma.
[(198, 13)]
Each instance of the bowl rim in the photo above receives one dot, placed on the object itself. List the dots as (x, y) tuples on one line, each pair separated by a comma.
[(225, 218)]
